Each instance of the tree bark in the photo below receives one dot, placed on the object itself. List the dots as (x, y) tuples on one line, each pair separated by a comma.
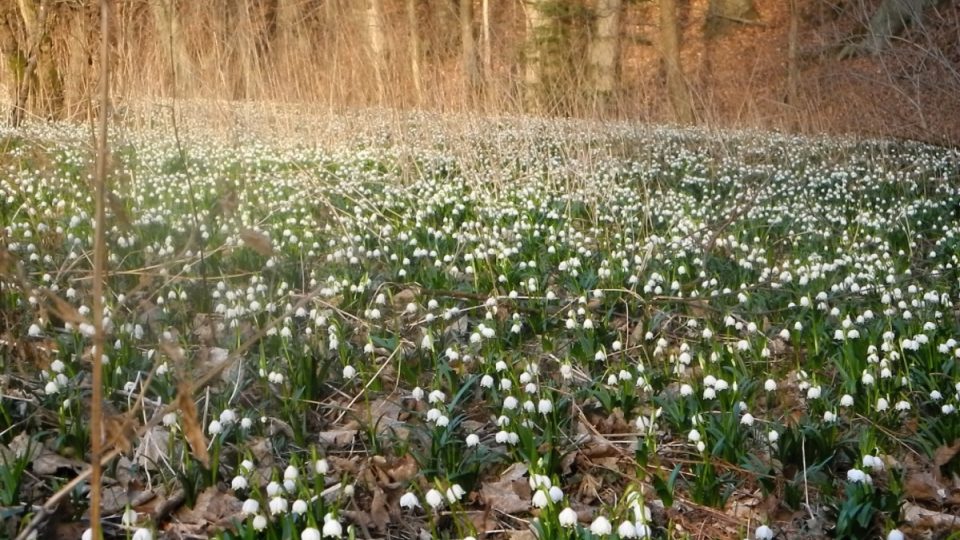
[(604, 51), (793, 67), (377, 42), (170, 35), (415, 52), (721, 14), (468, 47), (487, 46), (539, 26), (891, 18), (677, 90)]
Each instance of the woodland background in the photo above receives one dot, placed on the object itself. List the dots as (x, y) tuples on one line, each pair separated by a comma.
[(872, 67)]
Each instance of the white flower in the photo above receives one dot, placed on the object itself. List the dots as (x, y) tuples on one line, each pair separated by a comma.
[(693, 436), (129, 517), (228, 417), (87, 535), (895, 534), (455, 493), (601, 526), (773, 435), (846, 400), (627, 530), (556, 494), (310, 533), (567, 517), (278, 505), (763, 532), (409, 500), (770, 385), (321, 466), (215, 428), (51, 388), (299, 507), (545, 407), (34, 331), (238, 483), (472, 440), (142, 534), (260, 523), (540, 499), (251, 507), (290, 473), (856, 476), (349, 372), (273, 489), (882, 405), (332, 528), (747, 419), (813, 392), (434, 498)]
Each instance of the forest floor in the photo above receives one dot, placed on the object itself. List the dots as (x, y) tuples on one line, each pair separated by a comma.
[(422, 326)]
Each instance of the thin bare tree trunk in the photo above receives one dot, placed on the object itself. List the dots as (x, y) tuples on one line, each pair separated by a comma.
[(172, 42), (603, 53), (415, 72), (793, 68), (34, 19), (487, 47), (468, 48), (538, 27), (377, 40), (677, 89)]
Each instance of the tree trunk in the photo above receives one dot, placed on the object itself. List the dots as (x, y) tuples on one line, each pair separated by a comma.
[(721, 14), (604, 51), (415, 54), (172, 43), (539, 27), (677, 89), (377, 42), (290, 45), (793, 67), (487, 47), (468, 48), (40, 89), (891, 18)]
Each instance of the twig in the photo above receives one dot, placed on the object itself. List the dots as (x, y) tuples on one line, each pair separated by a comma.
[(99, 263)]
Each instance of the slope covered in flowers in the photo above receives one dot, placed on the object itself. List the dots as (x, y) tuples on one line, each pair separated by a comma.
[(411, 329)]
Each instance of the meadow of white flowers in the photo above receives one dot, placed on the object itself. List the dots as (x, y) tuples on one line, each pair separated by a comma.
[(593, 331)]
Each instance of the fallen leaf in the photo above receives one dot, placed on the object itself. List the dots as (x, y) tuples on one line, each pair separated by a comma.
[(49, 463), (338, 437), (192, 429), (510, 494), (257, 241), (945, 454)]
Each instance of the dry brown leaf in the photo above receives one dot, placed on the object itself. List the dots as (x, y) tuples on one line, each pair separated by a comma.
[(945, 454), (62, 309), (119, 211), (510, 494), (402, 469), (119, 431), (922, 486), (338, 437), (48, 463), (257, 241), (378, 510), (212, 507), (192, 429)]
